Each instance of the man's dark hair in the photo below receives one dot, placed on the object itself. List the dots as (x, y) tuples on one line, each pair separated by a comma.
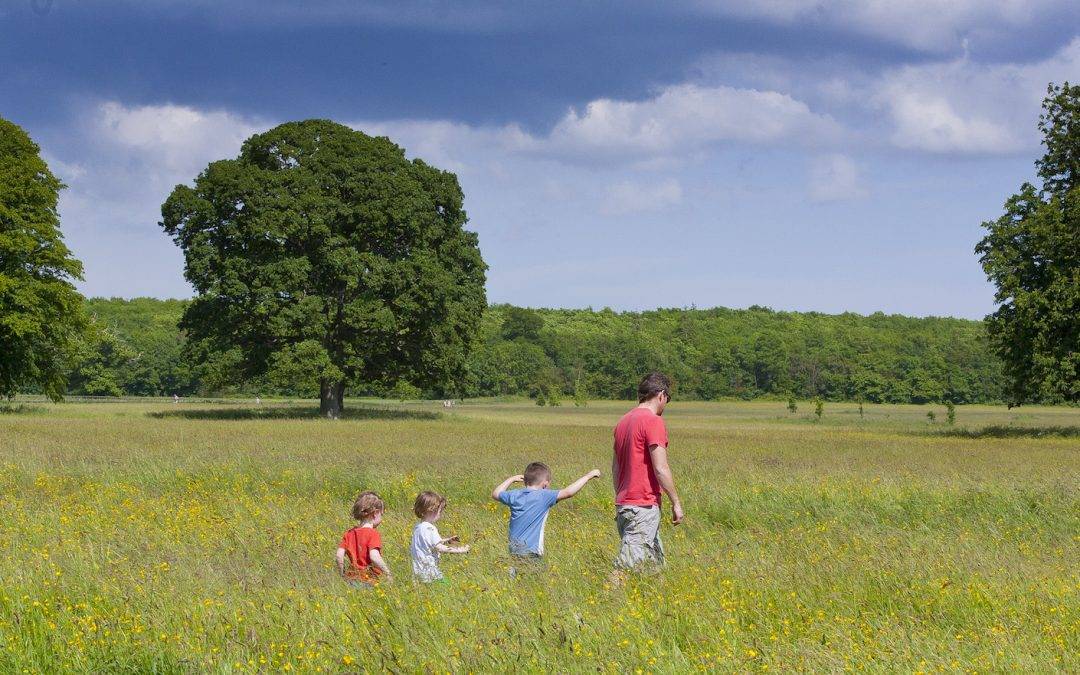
[(651, 385), (536, 472)]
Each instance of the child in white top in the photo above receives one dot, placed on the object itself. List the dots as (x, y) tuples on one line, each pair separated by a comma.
[(426, 542)]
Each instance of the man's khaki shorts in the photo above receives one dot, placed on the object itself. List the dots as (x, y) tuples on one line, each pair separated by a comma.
[(639, 529)]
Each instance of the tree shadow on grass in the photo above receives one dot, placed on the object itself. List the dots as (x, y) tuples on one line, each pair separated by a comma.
[(19, 409), (1002, 431), (293, 413)]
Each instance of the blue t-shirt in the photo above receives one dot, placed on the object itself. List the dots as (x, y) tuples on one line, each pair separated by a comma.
[(528, 512)]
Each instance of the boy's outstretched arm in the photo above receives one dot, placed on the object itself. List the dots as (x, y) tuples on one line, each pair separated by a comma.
[(505, 484), (341, 561), (575, 487)]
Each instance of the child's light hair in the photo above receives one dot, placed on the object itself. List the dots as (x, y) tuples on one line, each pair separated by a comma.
[(366, 506), (428, 502)]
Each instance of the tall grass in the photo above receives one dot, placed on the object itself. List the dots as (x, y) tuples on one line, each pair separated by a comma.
[(155, 537)]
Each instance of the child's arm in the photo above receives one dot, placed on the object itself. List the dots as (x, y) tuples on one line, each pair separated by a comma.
[(505, 484), (441, 547), (377, 560), (341, 561), (575, 487)]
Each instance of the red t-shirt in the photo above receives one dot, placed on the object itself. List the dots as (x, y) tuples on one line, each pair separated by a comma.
[(636, 432), (357, 542)]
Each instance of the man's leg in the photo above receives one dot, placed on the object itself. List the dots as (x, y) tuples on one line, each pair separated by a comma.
[(658, 545), (639, 529)]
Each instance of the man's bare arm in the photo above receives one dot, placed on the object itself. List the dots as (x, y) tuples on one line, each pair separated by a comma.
[(658, 454)]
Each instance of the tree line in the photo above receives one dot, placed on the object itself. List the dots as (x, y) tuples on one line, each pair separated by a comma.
[(550, 353), (326, 262)]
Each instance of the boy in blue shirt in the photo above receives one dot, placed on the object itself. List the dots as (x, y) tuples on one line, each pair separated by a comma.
[(529, 507)]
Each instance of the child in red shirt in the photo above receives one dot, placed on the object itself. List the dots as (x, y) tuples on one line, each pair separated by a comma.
[(362, 544)]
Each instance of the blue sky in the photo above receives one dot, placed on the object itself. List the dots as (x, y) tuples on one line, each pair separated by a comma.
[(800, 154)]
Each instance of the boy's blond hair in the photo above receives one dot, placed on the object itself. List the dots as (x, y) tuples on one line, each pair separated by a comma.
[(366, 506), (428, 502)]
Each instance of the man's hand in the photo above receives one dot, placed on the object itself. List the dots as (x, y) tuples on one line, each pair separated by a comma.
[(676, 513)]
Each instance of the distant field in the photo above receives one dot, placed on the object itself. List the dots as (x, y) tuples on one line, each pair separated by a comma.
[(147, 535)]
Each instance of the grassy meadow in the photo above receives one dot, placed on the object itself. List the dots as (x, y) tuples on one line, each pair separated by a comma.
[(152, 536)]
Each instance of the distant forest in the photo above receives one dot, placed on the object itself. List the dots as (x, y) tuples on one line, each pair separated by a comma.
[(552, 353)]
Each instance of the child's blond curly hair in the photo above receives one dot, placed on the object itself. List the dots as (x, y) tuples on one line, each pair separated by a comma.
[(366, 506)]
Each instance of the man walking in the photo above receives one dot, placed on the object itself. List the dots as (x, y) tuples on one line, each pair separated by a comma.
[(639, 470)]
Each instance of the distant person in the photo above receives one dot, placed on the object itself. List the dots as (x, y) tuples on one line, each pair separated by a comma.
[(639, 471), (175, 398), (529, 509), (359, 555), (427, 544)]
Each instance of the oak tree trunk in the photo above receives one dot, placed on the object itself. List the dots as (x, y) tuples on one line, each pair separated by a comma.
[(331, 399)]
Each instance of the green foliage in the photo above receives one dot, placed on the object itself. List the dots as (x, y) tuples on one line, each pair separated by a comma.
[(148, 329), (723, 353), (541, 398), (554, 397), (581, 394), (1059, 124), (405, 391), (521, 323), (322, 255), (950, 413), (931, 416), (861, 412), (1032, 255), (41, 314), (103, 366), (819, 408), (895, 358), (792, 406)]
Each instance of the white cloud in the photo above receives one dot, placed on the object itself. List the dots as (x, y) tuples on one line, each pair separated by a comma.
[(962, 106), (930, 122), (630, 197), (120, 163), (956, 106), (678, 122), (834, 178), (686, 118), (175, 139), (449, 145), (929, 25)]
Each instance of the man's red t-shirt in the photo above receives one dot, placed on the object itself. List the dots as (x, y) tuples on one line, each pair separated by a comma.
[(636, 432), (357, 542)]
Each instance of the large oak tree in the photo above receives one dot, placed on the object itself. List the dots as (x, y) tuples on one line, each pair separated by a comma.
[(323, 255), (41, 314)]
